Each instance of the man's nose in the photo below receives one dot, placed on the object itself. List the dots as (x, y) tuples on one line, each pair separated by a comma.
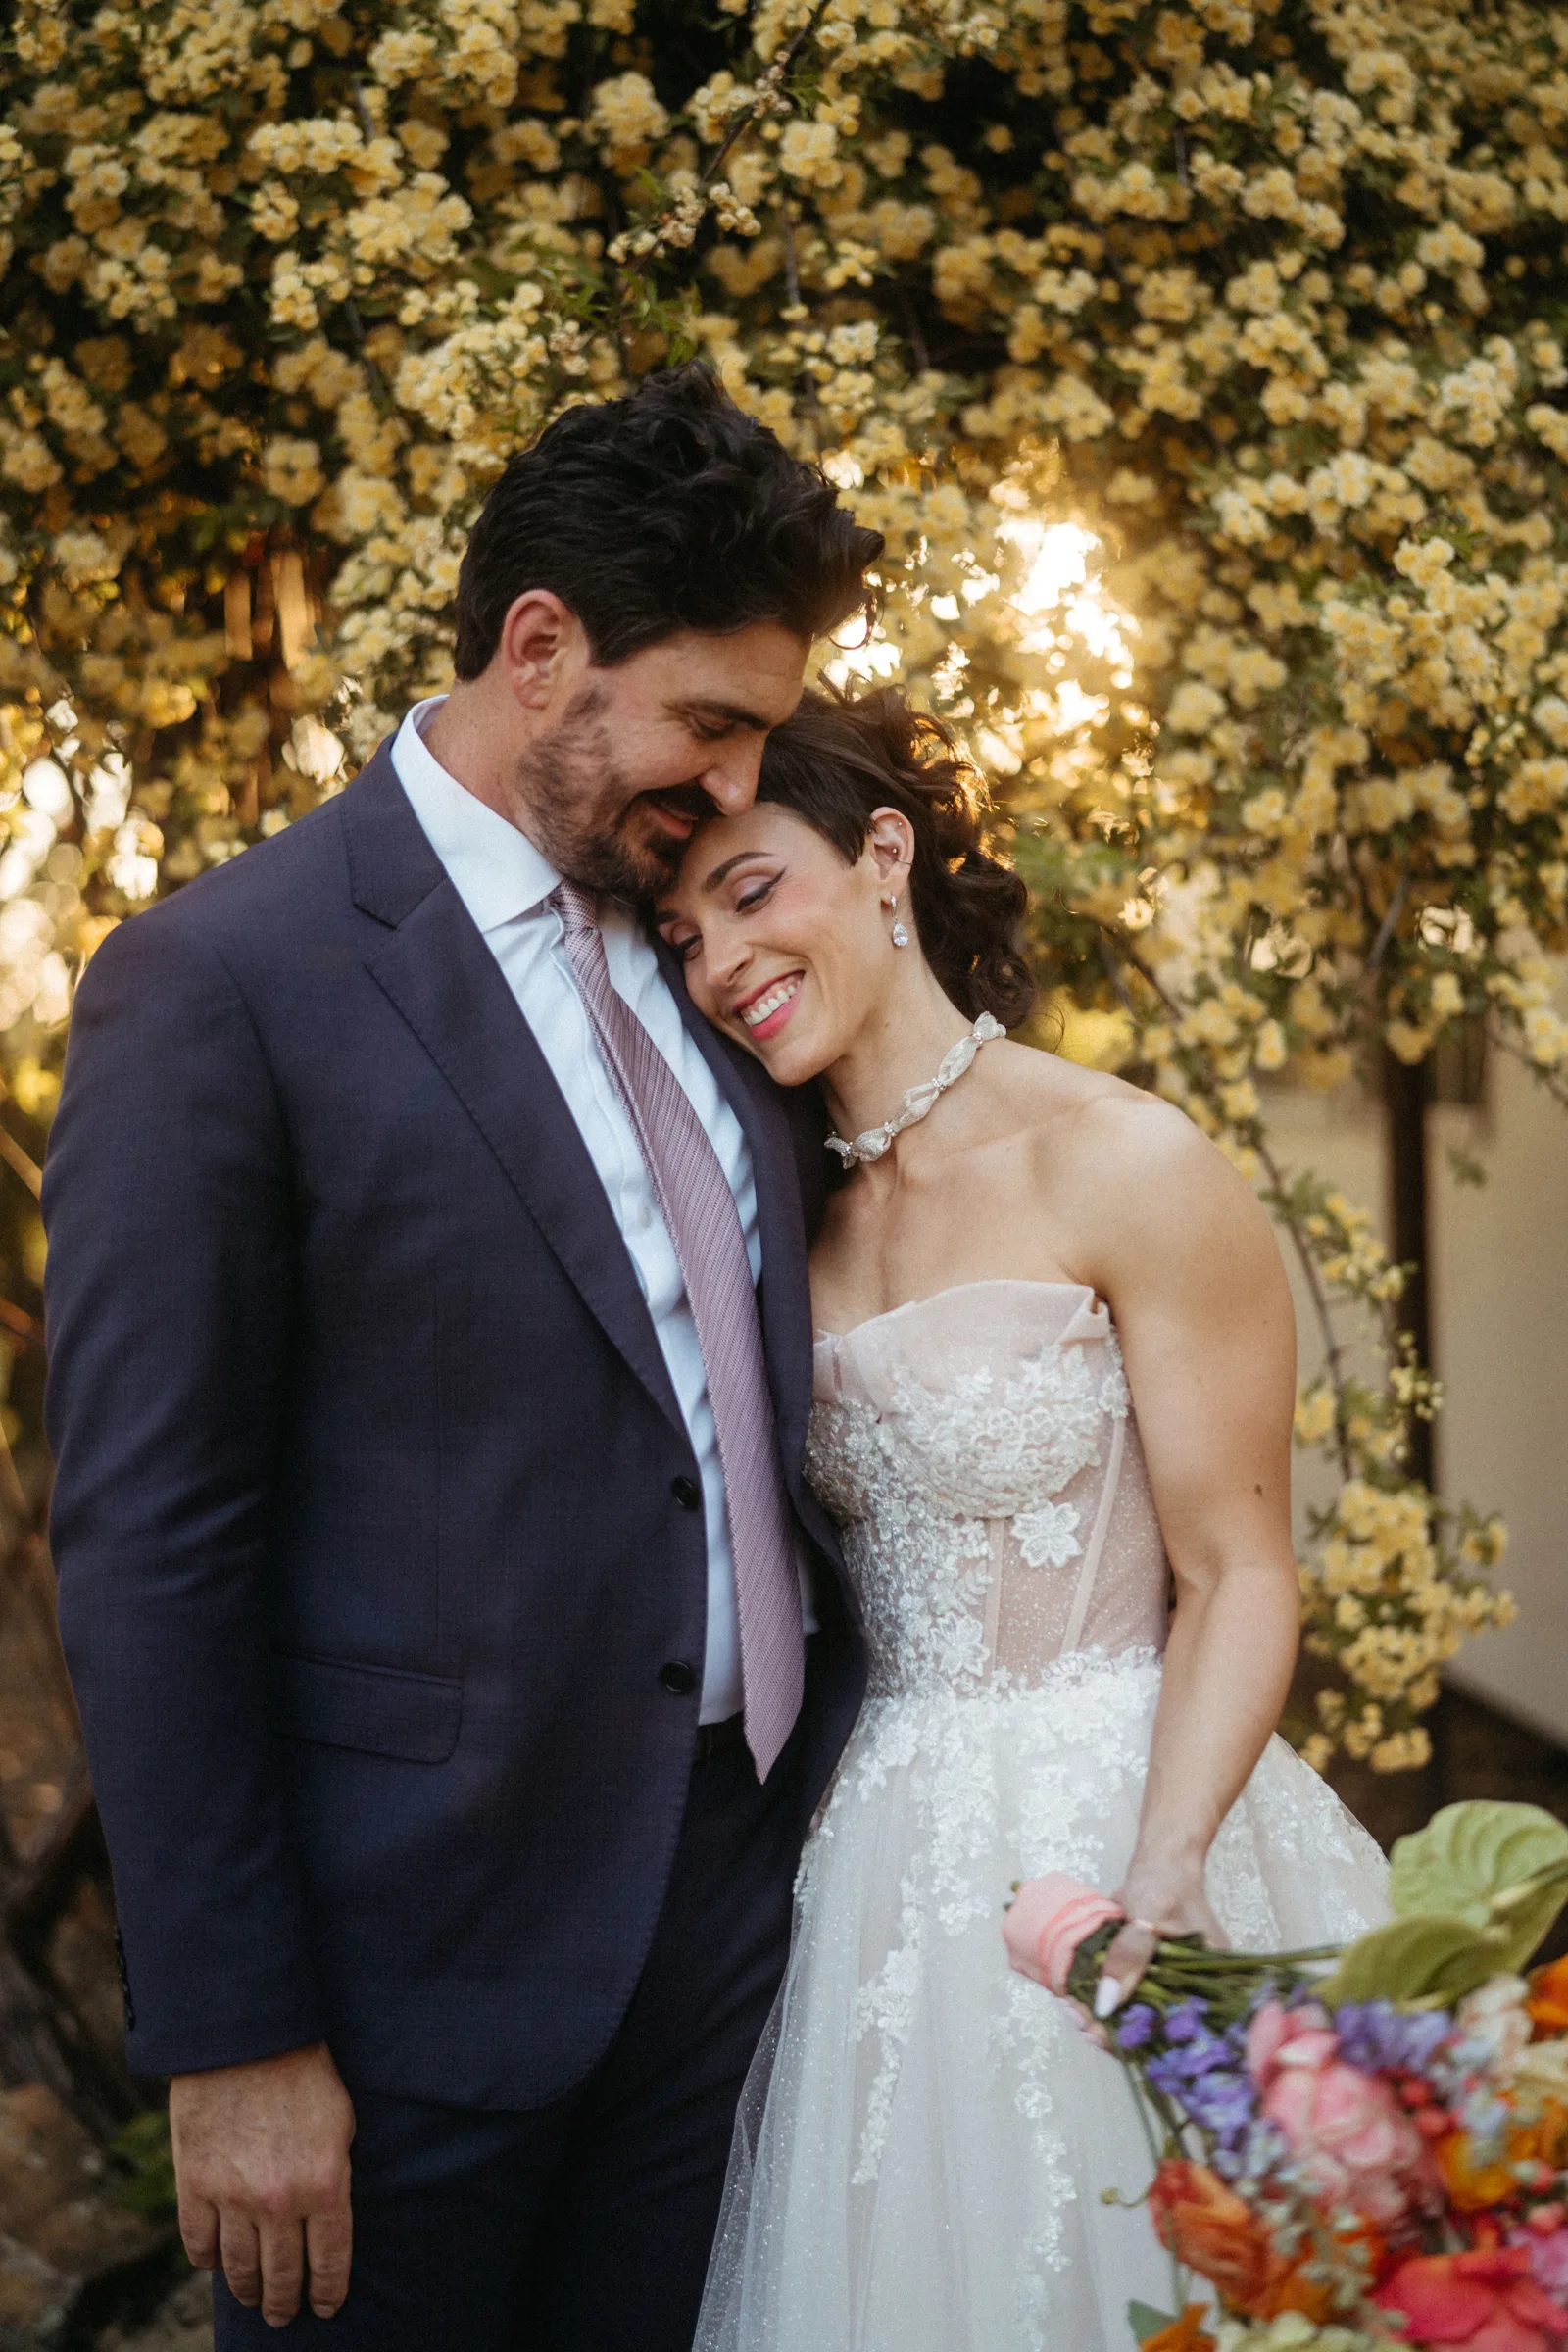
[(730, 781)]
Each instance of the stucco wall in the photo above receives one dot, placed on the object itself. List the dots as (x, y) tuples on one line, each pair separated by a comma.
[(1500, 1277)]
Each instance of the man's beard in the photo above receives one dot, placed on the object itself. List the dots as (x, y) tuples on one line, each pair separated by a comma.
[(580, 804)]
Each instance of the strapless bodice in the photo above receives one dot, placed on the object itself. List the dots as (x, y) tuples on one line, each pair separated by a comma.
[(979, 1452)]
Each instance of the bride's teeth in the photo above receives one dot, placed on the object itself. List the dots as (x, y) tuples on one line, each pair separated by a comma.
[(755, 1014)]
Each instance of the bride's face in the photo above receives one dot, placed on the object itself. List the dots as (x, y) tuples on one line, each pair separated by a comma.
[(787, 948)]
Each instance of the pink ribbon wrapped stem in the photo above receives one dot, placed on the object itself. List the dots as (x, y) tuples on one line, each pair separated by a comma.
[(1049, 1919)]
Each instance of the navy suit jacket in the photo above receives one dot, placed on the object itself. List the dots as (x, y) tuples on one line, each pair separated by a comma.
[(368, 1515)]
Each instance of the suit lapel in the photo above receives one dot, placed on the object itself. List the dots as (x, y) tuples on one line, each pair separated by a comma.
[(447, 985)]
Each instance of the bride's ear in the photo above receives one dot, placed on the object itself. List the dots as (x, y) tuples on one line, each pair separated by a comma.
[(890, 839)]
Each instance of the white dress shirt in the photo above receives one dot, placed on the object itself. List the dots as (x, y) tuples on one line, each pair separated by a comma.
[(505, 883)]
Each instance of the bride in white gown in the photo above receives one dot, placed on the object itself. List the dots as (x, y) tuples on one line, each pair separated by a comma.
[(921, 2155)]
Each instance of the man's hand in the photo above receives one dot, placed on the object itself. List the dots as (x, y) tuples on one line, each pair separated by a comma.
[(262, 2163)]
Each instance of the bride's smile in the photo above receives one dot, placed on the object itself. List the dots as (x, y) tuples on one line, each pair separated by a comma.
[(767, 1009)]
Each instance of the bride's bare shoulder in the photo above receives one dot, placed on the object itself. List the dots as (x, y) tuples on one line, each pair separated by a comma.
[(1130, 1150), (1088, 1107)]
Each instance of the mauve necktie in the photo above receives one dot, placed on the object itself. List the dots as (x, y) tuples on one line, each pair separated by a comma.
[(705, 1228)]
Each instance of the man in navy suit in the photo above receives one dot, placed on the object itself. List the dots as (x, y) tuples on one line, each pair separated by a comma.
[(404, 1594)]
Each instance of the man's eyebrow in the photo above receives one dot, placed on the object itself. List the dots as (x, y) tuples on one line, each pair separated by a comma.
[(736, 713)]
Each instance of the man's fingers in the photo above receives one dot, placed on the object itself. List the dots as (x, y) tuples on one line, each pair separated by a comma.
[(240, 2251), (282, 2246), (329, 2248), (198, 2231), (1124, 1963)]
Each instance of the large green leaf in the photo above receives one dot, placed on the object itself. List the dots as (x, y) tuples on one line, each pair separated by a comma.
[(1477, 1862), (1523, 1914), (1468, 1853), (1430, 1958)]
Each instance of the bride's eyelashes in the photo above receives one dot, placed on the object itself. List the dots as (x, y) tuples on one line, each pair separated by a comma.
[(759, 894)]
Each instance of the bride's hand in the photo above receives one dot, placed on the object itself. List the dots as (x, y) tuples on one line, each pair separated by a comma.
[(1157, 1903)]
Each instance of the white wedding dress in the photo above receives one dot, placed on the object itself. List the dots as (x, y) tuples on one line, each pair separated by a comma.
[(921, 2152)]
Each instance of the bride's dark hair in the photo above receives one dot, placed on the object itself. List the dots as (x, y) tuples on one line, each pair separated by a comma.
[(837, 760)]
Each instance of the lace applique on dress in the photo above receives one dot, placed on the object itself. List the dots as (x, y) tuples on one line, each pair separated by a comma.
[(1048, 1536)]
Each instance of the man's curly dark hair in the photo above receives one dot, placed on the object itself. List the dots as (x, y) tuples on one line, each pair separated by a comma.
[(669, 510)]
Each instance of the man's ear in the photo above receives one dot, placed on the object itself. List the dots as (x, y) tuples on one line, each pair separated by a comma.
[(542, 647)]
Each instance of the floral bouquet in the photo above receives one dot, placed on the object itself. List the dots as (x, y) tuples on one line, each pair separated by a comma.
[(1356, 2149)]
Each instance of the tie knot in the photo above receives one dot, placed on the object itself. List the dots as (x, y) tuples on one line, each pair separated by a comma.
[(578, 908)]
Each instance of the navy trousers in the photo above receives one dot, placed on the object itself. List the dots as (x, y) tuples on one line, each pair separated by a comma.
[(584, 2227)]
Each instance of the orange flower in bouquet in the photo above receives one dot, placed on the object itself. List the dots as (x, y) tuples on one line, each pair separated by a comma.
[(1469, 2186), (1208, 2227), (1184, 2334), (1473, 2187), (1544, 2140), (1547, 2003)]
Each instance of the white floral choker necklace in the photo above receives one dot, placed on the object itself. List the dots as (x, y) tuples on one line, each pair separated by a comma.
[(920, 1100)]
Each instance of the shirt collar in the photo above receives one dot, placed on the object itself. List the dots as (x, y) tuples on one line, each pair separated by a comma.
[(496, 871)]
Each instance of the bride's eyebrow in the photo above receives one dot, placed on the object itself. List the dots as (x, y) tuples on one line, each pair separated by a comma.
[(712, 881), (668, 915)]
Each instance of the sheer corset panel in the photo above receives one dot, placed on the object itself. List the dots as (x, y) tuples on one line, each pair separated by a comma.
[(979, 1452)]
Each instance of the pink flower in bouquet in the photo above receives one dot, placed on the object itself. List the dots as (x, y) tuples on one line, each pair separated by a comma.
[(1544, 2238), (1047, 1921), (1354, 2142), (1486, 2300)]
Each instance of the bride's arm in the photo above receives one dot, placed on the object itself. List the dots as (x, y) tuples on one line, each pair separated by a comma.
[(1188, 1263)]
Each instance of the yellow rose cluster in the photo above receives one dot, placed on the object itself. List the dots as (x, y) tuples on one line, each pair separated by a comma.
[(1266, 297)]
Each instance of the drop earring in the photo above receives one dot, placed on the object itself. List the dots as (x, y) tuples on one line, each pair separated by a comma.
[(901, 937)]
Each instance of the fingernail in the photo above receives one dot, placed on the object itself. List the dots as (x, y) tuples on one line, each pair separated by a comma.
[(1107, 1992)]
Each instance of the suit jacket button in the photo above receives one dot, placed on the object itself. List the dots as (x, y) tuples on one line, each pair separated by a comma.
[(687, 1492), (677, 1678)]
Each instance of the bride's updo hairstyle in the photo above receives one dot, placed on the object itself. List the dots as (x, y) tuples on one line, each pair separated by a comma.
[(837, 760)]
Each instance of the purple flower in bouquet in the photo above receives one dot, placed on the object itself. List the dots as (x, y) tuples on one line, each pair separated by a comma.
[(1191, 2060), (1224, 2104), (1377, 2039), (1204, 2072), (1137, 2025)]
